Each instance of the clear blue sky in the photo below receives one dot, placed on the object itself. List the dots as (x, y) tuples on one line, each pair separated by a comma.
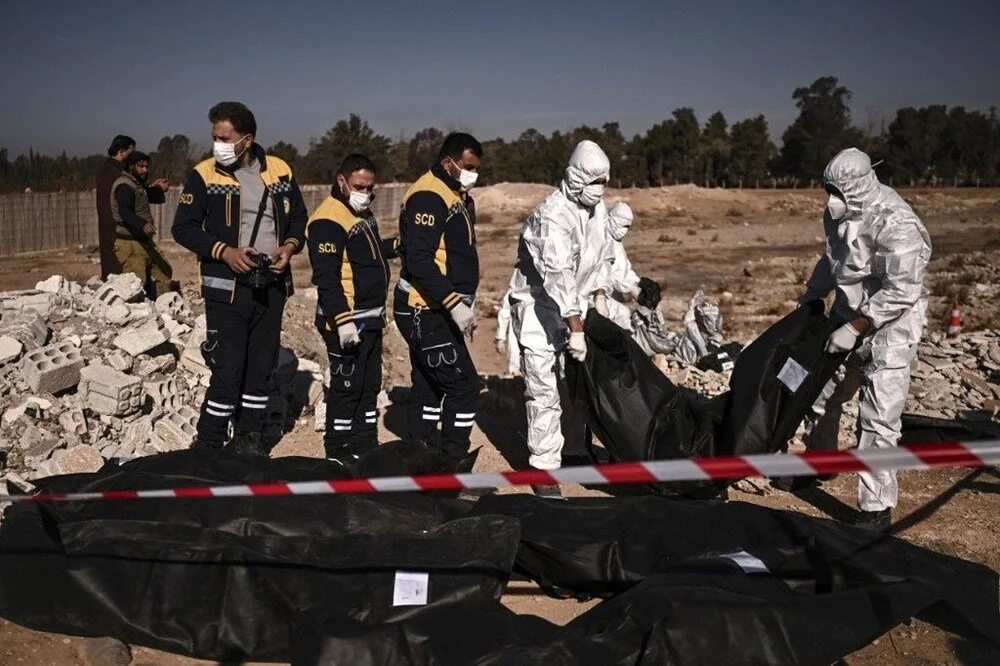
[(75, 73)]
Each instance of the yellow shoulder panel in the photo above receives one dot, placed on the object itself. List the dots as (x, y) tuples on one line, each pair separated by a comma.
[(334, 211), (431, 183)]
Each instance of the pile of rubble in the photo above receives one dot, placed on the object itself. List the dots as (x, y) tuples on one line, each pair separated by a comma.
[(958, 377), (90, 373)]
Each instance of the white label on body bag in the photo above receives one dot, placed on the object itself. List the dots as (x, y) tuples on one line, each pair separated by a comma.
[(792, 375), (749, 563), (410, 589)]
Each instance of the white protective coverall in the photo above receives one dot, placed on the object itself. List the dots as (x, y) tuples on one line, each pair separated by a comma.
[(618, 276), (876, 257), (505, 339), (559, 258)]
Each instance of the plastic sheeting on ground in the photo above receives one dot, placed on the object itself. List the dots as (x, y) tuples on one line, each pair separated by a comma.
[(688, 583), (223, 578), (317, 579)]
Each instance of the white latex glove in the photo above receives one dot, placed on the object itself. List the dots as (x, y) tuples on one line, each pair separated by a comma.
[(842, 340), (348, 334), (635, 292), (577, 346), (465, 318), (500, 345), (601, 303)]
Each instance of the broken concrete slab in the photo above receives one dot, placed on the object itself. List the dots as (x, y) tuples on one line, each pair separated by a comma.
[(80, 459), (10, 349), (140, 339), (53, 285), (29, 328), (128, 286)]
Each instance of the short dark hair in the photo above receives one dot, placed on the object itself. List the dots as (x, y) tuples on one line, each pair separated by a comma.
[(135, 157), (356, 162), (455, 145), (236, 113), (120, 143)]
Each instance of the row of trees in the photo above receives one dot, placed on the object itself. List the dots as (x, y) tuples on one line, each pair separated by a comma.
[(928, 146)]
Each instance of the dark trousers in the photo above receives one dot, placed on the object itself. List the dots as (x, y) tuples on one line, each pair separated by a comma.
[(445, 381), (240, 350), (355, 382)]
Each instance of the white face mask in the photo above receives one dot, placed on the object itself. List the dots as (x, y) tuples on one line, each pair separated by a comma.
[(591, 195), (359, 201), (467, 179), (225, 153), (836, 206)]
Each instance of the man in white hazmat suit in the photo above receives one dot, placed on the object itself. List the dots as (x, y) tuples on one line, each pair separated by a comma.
[(876, 256), (558, 264), (618, 277)]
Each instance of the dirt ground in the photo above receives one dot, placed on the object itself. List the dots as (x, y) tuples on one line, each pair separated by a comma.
[(751, 251)]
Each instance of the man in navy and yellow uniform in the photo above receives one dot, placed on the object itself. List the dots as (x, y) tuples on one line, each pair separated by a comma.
[(434, 300), (240, 211), (351, 273)]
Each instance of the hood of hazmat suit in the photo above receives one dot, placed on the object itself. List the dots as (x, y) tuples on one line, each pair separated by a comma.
[(587, 164), (876, 254), (619, 220)]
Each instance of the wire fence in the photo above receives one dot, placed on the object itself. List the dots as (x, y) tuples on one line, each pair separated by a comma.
[(36, 222)]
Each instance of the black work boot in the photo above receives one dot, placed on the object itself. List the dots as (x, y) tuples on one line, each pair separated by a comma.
[(548, 492), (876, 522), (202, 444), (342, 454), (250, 444)]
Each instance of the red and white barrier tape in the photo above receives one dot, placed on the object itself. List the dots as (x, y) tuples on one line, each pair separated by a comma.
[(917, 457)]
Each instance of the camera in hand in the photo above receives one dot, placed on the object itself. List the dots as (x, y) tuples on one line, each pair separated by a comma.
[(261, 276)]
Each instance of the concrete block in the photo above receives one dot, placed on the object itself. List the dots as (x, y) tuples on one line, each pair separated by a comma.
[(165, 394), (52, 369), (140, 339), (10, 349), (127, 286), (176, 430), (110, 392), (29, 328), (173, 304), (74, 422), (53, 285), (119, 360)]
